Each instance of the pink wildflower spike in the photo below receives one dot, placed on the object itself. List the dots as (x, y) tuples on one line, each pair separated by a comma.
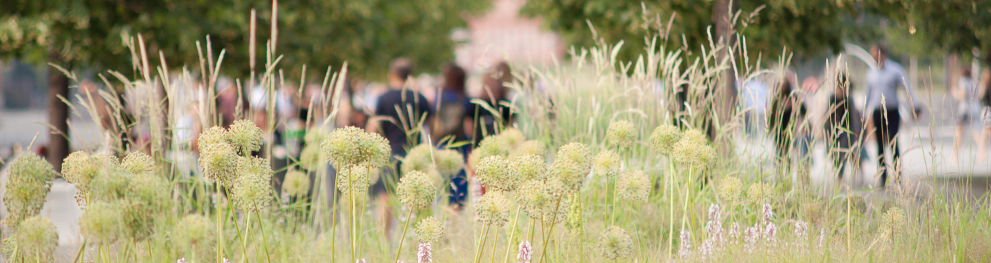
[(768, 213), (801, 230), (714, 213), (751, 235), (360, 261), (423, 253), (770, 232), (226, 260), (734, 233), (525, 253), (822, 237), (706, 248), (181, 260), (714, 227), (686, 244)]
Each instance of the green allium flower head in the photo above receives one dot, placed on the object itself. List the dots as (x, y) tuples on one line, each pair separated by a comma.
[(494, 145), (218, 161), (621, 134), (759, 193), (576, 217), (577, 153), (694, 149), (664, 137), (111, 185), (892, 222), (245, 136), (213, 135), (139, 163), (491, 172), (195, 233), (144, 205), (417, 190), (492, 209), (429, 230), (309, 157), (449, 162), (529, 147), (252, 188), (568, 174), (28, 184), (615, 243), (355, 178), (37, 237), (634, 186), (79, 168), (102, 223), (536, 199), (315, 135), (607, 164), (730, 189), (512, 137), (342, 147), (375, 150), (7, 247), (419, 158), (297, 183), (526, 167)]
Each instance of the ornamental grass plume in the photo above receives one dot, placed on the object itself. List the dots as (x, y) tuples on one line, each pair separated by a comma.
[(534, 147), (607, 164), (252, 189), (245, 136), (417, 190), (139, 163), (219, 162), (449, 162), (353, 178), (492, 209), (195, 236), (693, 149), (621, 134), (664, 138), (36, 240), (429, 230), (730, 189), (102, 223), (525, 167), (28, 184), (892, 222), (297, 183), (615, 243), (633, 186), (492, 172)]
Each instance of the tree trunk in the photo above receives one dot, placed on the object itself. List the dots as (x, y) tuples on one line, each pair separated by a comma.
[(722, 13), (58, 112)]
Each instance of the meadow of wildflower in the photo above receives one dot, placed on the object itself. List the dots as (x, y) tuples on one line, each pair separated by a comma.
[(601, 168)]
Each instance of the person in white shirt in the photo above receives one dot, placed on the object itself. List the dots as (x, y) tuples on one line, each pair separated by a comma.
[(965, 91), (883, 84)]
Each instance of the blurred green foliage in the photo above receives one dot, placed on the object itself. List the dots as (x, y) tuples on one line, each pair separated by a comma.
[(367, 34), (953, 25)]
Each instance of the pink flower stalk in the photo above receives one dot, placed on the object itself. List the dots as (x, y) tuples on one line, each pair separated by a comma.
[(770, 232), (706, 248), (801, 230), (423, 253), (822, 237), (734, 233), (525, 253), (181, 260), (768, 213), (686, 244), (226, 260), (715, 226), (751, 235)]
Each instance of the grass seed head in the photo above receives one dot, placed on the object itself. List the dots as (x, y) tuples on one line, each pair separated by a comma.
[(297, 183), (28, 184), (607, 164), (615, 243), (37, 236), (246, 136), (429, 230), (664, 137), (621, 134), (634, 186), (417, 190), (492, 209)]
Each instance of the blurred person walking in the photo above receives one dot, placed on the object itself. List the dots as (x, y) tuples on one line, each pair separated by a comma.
[(787, 114), (495, 95), (398, 114), (983, 93), (965, 92), (883, 84), (843, 126), (452, 105)]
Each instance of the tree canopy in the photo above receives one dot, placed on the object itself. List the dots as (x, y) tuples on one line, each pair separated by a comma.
[(954, 25)]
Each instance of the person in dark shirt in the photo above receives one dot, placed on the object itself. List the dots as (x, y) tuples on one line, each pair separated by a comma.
[(452, 106), (398, 114), (787, 112), (494, 94), (843, 129)]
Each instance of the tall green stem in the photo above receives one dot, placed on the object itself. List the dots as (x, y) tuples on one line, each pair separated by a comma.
[(550, 231), (512, 233), (481, 245), (403, 238), (670, 186), (261, 226), (220, 224)]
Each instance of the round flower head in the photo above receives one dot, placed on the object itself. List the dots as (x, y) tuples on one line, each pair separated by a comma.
[(730, 189), (218, 161), (419, 158), (138, 163), (101, 223), (28, 184), (449, 162), (575, 217), (252, 189), (7, 247), (607, 164), (429, 230), (634, 186), (37, 237), (694, 149), (529, 147), (615, 243), (246, 136), (145, 202), (195, 233), (491, 172), (512, 137), (759, 193), (664, 137), (892, 222), (111, 185), (577, 153), (494, 145), (309, 157), (492, 209), (79, 168), (353, 178), (621, 134), (315, 136), (526, 167), (213, 135), (417, 190), (342, 147), (568, 174), (297, 183), (375, 150), (538, 201)]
